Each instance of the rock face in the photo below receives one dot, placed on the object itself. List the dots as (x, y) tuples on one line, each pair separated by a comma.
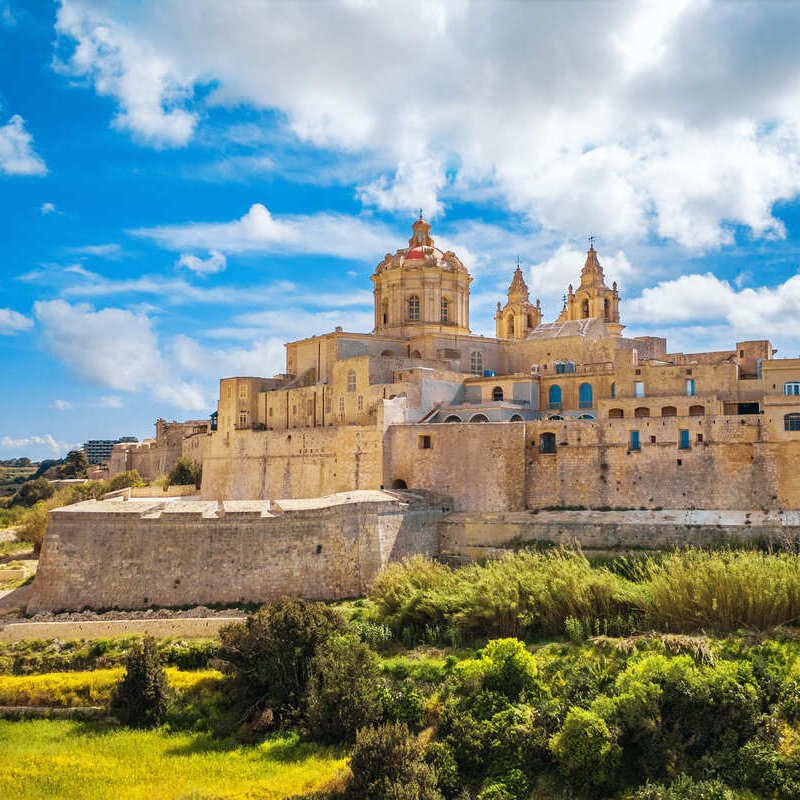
[(153, 552)]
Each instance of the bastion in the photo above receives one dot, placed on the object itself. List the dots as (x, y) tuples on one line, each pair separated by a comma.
[(140, 552)]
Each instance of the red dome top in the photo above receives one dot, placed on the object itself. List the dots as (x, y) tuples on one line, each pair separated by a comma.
[(415, 253)]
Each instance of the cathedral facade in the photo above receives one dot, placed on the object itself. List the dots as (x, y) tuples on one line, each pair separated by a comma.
[(561, 413)]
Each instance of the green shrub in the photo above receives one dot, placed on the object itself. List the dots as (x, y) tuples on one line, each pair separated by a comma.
[(122, 480), (140, 699), (585, 750), (269, 655), (185, 473), (684, 788), (31, 492), (387, 762), (344, 690)]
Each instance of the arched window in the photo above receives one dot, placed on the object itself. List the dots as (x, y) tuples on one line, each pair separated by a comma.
[(791, 422), (497, 393), (399, 483), (510, 325), (641, 412), (585, 309), (613, 390), (669, 411), (697, 411), (554, 396), (616, 413), (530, 321), (585, 395), (416, 354), (791, 387), (445, 310), (607, 310), (351, 381), (516, 418), (547, 443), (387, 353), (385, 312), (476, 362), (453, 418), (413, 307), (479, 418)]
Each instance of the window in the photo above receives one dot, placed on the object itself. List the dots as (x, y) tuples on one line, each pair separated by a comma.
[(638, 389), (547, 443), (652, 440), (563, 367), (385, 312), (361, 402), (683, 442), (516, 418), (479, 418), (497, 393), (616, 413), (351, 381), (242, 419), (328, 402), (697, 411), (554, 396), (669, 411), (309, 407), (635, 444), (792, 387), (510, 325), (476, 363), (791, 422), (690, 387), (688, 372), (607, 309), (413, 307), (243, 391), (642, 411), (453, 418), (341, 406), (585, 309), (230, 392), (699, 438), (445, 309), (270, 411), (613, 390), (424, 442), (585, 395)]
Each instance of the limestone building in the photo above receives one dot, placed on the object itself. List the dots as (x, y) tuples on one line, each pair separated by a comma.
[(574, 412)]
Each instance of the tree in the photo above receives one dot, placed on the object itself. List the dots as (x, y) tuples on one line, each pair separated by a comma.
[(344, 691), (76, 465), (269, 655), (185, 473), (140, 698), (31, 492), (388, 762)]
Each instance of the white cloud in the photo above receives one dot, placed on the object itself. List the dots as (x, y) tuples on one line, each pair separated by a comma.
[(107, 250), (263, 357), (115, 348), (45, 442), (216, 262), (145, 82), (696, 306), (17, 156), (632, 119), (109, 401), (13, 322), (61, 405), (258, 231), (48, 208)]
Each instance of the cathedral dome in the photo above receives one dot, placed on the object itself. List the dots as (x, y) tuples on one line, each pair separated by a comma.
[(421, 252)]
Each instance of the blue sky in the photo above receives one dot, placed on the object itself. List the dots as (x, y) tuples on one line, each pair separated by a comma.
[(185, 186)]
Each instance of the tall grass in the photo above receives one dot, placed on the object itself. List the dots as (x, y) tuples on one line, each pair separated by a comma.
[(531, 594), (692, 590), (47, 759)]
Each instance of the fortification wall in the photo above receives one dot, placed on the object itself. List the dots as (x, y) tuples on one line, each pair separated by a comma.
[(301, 462), (469, 536), (729, 464), (140, 553)]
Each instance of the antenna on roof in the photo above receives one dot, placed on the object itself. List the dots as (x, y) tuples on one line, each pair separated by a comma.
[(420, 213), (591, 238)]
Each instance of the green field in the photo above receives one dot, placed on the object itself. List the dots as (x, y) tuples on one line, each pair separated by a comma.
[(79, 761)]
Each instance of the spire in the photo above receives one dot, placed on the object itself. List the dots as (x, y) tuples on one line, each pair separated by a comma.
[(518, 289), (420, 233), (592, 272)]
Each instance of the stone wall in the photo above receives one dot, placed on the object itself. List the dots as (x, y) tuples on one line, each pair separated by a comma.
[(303, 462), (140, 553), (729, 464), (469, 536)]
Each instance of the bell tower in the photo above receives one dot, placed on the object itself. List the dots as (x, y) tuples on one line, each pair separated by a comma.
[(593, 299), (518, 317)]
